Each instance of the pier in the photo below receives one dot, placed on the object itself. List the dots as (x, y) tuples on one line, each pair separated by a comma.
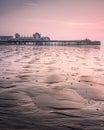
[(37, 39), (50, 42)]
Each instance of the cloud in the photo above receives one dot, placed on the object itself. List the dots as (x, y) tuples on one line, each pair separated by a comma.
[(65, 22), (30, 4)]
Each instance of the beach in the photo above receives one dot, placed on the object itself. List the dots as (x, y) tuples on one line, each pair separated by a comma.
[(51, 87)]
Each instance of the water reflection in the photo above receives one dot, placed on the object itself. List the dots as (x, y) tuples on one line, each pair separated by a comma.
[(51, 87)]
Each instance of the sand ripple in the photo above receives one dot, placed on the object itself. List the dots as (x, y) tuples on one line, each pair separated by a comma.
[(51, 88)]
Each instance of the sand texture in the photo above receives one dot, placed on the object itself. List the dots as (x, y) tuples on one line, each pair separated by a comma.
[(51, 88)]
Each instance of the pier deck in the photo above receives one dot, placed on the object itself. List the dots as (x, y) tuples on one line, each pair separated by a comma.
[(51, 42)]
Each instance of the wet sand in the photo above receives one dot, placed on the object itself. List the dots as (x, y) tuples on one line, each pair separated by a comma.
[(51, 88)]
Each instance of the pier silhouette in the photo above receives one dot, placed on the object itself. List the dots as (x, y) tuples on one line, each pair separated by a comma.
[(50, 42)]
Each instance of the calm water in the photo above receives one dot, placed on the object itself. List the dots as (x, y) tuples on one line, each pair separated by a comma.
[(51, 88)]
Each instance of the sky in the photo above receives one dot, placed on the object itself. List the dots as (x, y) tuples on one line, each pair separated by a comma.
[(58, 19)]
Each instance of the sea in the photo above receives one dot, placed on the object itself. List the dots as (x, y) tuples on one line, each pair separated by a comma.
[(51, 87)]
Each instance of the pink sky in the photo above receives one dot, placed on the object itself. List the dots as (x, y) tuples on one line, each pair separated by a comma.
[(58, 19)]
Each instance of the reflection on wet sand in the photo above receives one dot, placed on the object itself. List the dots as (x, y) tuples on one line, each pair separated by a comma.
[(51, 88)]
